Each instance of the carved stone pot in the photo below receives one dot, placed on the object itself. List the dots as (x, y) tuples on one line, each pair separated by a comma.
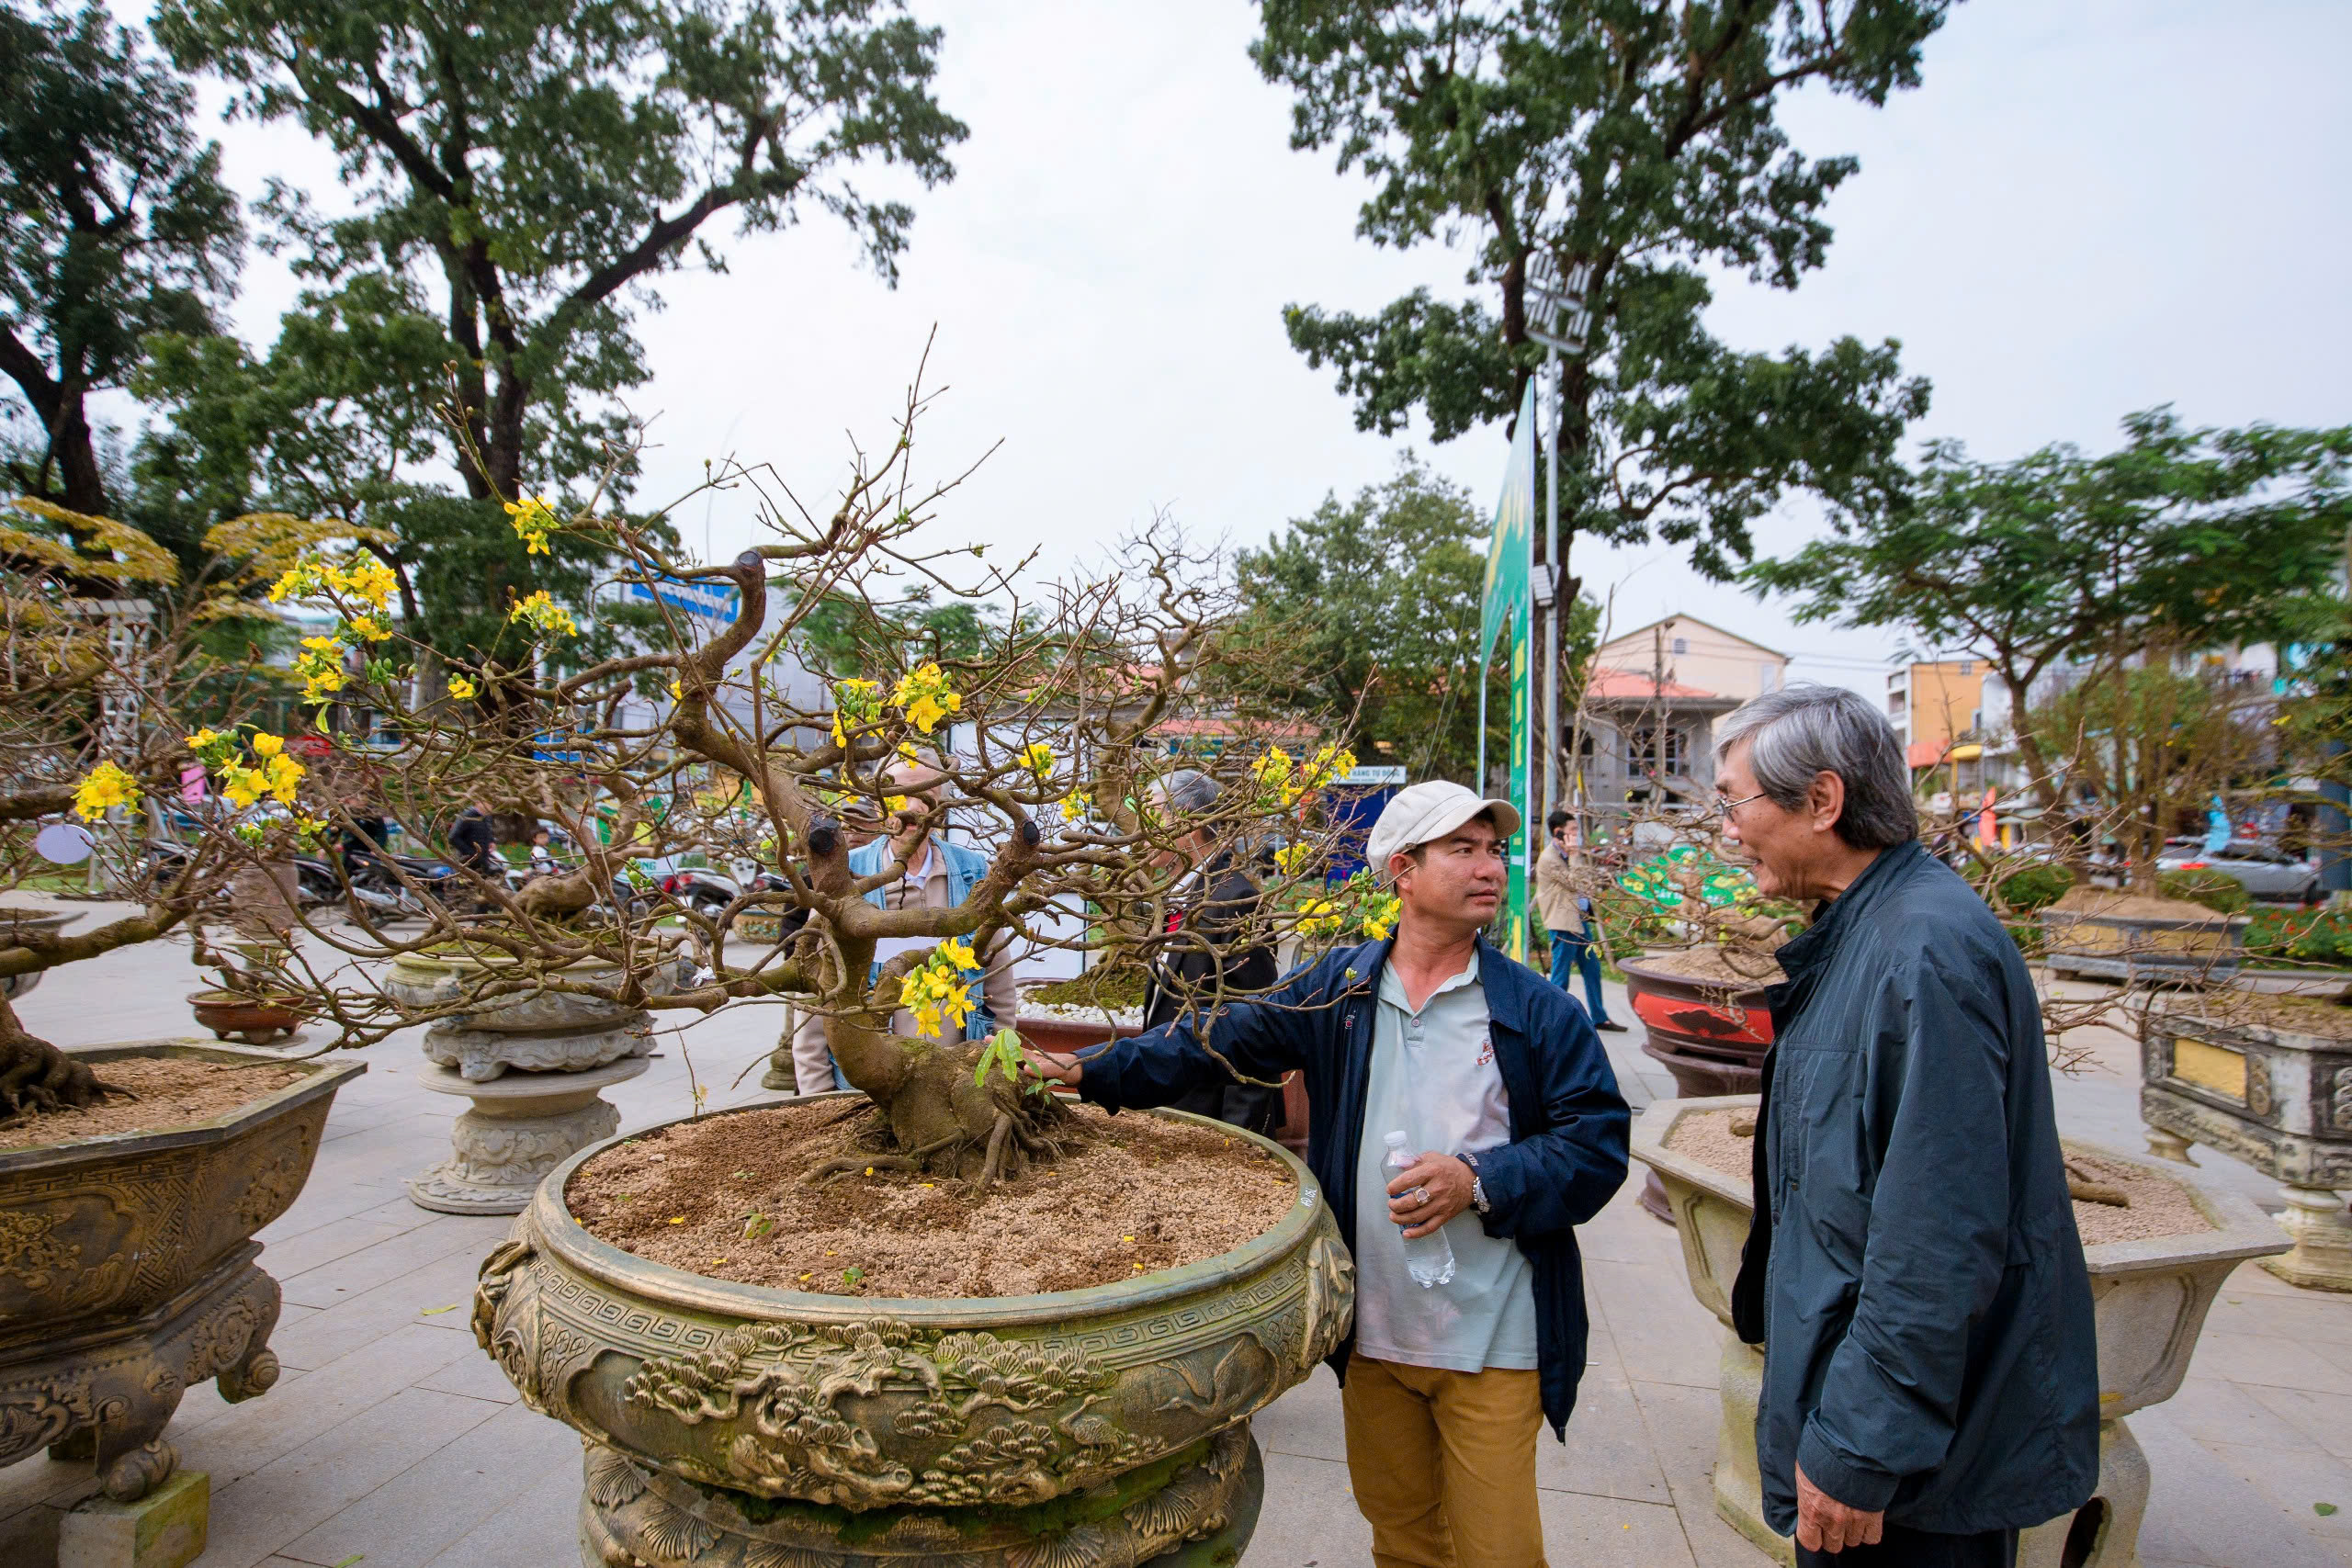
[(2135, 948), (127, 1269), (533, 1061), (2149, 1299), (734, 1425), (2277, 1099), (33, 922)]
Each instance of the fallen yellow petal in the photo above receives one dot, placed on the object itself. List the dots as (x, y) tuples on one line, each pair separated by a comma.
[(869, 1170), (436, 1312), (677, 1219)]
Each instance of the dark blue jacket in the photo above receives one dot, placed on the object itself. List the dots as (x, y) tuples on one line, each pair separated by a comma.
[(1913, 1273), (1568, 1121)]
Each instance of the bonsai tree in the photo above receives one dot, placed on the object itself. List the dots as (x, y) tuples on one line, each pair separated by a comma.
[(1036, 727)]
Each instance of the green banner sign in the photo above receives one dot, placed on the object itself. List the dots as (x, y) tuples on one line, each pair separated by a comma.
[(1510, 613)]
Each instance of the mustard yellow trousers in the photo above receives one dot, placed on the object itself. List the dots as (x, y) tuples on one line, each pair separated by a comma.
[(1444, 1464)]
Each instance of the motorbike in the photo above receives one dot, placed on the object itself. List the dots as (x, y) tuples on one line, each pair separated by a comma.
[(395, 887)]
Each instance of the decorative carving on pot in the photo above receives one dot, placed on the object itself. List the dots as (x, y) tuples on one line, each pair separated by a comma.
[(906, 1403), (2184, 950), (127, 1269), (527, 1030)]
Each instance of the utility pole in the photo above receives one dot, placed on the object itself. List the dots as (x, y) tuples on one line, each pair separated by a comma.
[(1559, 318)]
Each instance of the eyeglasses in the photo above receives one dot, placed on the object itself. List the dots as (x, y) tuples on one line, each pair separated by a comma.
[(1724, 807)]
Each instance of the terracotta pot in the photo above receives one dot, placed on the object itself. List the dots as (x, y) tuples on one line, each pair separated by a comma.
[(128, 1270), (2150, 1298), (739, 1423), (254, 1021)]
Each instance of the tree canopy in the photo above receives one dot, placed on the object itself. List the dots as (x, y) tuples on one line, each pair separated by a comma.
[(114, 224), (1639, 138)]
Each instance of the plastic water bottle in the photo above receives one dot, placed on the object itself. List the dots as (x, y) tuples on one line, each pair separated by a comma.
[(1431, 1257)]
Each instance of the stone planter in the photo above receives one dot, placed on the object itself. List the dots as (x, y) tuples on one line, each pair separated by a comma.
[(533, 1061), (127, 1269), (32, 922), (2150, 1299), (2278, 1100), (1710, 1036), (730, 1426), (2133, 948)]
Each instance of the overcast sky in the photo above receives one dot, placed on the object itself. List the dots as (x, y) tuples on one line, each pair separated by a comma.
[(2089, 207)]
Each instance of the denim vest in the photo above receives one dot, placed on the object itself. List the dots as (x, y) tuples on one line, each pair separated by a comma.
[(964, 869)]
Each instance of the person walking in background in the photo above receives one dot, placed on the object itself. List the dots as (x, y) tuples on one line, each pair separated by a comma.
[(1207, 957), (1500, 1083), (1567, 916), (1912, 1270)]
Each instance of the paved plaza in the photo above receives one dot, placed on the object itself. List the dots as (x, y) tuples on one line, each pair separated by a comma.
[(392, 1442)]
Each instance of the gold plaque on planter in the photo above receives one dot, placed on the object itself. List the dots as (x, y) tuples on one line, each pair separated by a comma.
[(2209, 1067)]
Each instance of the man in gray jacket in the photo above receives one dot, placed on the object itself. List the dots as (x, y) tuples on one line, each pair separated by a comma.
[(1913, 1272)]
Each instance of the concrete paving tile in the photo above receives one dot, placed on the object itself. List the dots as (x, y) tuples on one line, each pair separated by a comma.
[(2282, 1363), (322, 1244), (539, 1526), (2294, 1479), (475, 1376), (1661, 1332), (2200, 1510), (1310, 1518), (2252, 1278), (2306, 1314), (1306, 1422), (415, 1516), (1713, 1542), (1683, 1425), (244, 1437), (2212, 1410), (350, 1326), (1596, 1531), (267, 1510), (1608, 1453), (2324, 1419), (332, 1282)]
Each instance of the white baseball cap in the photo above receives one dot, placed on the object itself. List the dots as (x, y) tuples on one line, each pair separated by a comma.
[(1424, 813)]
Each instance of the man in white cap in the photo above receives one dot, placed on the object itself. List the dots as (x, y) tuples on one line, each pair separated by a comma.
[(1517, 1135)]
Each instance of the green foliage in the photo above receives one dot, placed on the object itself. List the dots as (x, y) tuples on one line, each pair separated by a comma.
[(2321, 936), (1377, 599), (842, 635), (2224, 894), (1113, 986), (2034, 888), (113, 224), (1640, 138)]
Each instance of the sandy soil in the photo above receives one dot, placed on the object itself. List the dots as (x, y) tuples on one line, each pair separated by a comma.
[(725, 1197), (2133, 905), (172, 1092), (2154, 1207), (1746, 970), (2298, 1015)]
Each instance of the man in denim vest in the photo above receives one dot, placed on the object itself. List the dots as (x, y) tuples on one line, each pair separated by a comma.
[(933, 874)]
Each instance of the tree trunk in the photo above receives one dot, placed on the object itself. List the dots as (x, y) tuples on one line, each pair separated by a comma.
[(36, 1076), (938, 1119)]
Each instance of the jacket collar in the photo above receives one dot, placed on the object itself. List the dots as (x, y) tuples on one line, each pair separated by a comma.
[(1819, 943), (1506, 999)]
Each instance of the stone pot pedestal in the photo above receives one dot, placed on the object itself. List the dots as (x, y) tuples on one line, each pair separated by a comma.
[(522, 1126), (2279, 1099), (2150, 1298)]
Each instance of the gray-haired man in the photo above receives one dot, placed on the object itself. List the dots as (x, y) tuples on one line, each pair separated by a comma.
[(1930, 1377)]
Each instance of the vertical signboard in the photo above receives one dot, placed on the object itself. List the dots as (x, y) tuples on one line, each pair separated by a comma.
[(1510, 613)]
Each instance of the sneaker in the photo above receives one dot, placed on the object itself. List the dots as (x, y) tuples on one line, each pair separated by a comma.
[(1610, 1026)]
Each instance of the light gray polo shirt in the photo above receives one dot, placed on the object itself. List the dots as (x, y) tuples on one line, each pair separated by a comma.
[(1433, 1075)]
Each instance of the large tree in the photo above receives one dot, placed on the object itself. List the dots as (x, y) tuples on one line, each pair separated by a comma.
[(1638, 138), (114, 224), (1376, 600), (520, 173), (2181, 540)]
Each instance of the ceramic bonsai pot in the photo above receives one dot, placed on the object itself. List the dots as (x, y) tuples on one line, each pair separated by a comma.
[(127, 1270), (2151, 1300), (1712, 1038), (254, 1021), (732, 1423)]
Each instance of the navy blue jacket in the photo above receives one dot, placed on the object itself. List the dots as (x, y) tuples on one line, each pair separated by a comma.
[(1913, 1271), (1568, 1121)]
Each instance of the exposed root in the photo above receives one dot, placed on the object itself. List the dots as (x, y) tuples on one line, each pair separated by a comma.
[(834, 1169), (35, 1077), (993, 1168)]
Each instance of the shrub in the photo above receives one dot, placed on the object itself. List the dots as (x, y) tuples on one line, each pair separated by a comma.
[(2034, 888), (2224, 894), (2290, 936)]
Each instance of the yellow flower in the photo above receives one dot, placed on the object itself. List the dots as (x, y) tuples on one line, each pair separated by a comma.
[(1076, 806), (894, 804), (267, 744), (1038, 758), (465, 691), (293, 581), (1272, 766), (369, 629), (105, 786), (283, 773), (367, 580), (958, 952), (323, 643), (544, 614), (532, 517), (1290, 858), (925, 695), (855, 701), (1318, 917)]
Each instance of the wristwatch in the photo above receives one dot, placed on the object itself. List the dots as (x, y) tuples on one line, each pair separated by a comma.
[(1477, 1185)]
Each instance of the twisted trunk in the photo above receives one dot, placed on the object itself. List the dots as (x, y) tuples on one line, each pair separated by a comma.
[(938, 1121), (36, 1076)]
